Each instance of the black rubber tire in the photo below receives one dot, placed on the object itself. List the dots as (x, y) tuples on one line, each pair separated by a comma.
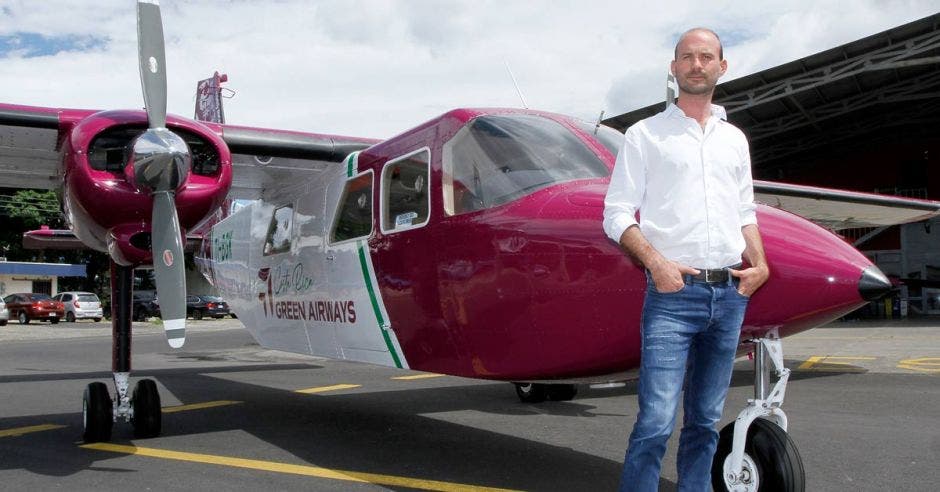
[(23, 319), (97, 320), (70, 317), (147, 420), (779, 466), (3, 322), (531, 392), (54, 320), (234, 316), (561, 392), (97, 413), (197, 314)]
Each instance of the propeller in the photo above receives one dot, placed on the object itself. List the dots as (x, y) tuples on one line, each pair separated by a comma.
[(161, 163)]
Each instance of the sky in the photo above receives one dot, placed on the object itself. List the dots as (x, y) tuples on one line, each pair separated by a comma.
[(375, 68)]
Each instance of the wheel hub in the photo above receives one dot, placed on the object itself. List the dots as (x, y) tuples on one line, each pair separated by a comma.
[(747, 481)]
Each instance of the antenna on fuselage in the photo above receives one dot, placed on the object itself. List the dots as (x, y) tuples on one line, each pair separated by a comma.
[(600, 119), (514, 83), (670, 89)]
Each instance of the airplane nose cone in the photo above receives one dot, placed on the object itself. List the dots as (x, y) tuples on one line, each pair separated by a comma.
[(873, 284)]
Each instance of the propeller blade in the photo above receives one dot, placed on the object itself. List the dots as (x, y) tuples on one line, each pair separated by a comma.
[(151, 52), (168, 267)]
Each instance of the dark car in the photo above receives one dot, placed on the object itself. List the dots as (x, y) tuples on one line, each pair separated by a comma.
[(199, 306), (30, 306), (145, 305)]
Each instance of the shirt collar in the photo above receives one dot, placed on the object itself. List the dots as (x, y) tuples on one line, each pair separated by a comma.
[(717, 111)]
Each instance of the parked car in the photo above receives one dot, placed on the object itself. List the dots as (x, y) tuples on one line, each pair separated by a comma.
[(30, 306), (145, 305), (80, 305), (201, 305), (4, 313)]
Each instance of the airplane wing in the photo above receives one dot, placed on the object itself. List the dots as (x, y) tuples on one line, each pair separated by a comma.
[(842, 209), (263, 158), (30, 138)]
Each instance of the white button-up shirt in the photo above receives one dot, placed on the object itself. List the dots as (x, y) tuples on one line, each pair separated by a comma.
[(692, 188)]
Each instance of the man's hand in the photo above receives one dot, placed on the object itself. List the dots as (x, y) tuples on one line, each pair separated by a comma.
[(751, 279), (667, 276)]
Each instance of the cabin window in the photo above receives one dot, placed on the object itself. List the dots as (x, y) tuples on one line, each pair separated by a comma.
[(496, 159), (279, 231), (354, 214), (405, 194)]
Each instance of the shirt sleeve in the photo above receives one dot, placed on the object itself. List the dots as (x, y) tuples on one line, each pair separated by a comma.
[(627, 187), (748, 209)]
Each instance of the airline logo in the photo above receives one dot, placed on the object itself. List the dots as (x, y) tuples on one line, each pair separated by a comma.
[(287, 296)]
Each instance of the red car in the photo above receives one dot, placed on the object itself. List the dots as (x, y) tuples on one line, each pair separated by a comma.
[(26, 307)]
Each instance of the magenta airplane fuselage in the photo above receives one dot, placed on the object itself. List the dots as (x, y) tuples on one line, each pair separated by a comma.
[(534, 290)]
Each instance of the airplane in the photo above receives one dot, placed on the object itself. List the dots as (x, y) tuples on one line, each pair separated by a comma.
[(470, 245)]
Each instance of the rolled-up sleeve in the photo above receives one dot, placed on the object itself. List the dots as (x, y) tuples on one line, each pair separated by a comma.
[(748, 208), (627, 186)]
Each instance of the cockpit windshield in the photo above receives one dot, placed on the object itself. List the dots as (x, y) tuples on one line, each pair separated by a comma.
[(495, 159)]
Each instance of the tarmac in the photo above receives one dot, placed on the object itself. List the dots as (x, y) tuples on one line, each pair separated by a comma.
[(863, 403)]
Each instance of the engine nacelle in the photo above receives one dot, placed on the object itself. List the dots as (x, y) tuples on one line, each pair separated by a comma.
[(106, 207)]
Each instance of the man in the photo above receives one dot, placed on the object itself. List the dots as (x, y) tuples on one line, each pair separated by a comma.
[(688, 173)]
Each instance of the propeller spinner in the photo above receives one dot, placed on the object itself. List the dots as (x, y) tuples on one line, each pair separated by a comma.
[(161, 163)]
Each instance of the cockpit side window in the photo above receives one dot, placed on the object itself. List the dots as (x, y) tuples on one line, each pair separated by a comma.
[(279, 231), (496, 159), (405, 197), (354, 215)]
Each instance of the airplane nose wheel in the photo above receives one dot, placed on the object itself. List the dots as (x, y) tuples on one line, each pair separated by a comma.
[(754, 452), (771, 461), (97, 415)]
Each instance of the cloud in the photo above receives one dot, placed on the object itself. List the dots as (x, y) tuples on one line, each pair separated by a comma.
[(377, 67)]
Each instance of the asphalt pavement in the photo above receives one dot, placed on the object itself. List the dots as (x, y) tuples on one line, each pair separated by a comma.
[(863, 404)]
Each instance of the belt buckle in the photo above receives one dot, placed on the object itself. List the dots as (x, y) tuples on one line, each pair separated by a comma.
[(712, 276), (708, 276)]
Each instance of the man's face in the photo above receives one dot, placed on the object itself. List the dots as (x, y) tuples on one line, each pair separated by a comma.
[(697, 67)]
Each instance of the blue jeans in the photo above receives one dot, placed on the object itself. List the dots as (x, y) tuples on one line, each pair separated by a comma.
[(697, 327)]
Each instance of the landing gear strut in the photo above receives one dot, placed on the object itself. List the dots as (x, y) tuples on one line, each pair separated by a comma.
[(755, 452), (143, 408)]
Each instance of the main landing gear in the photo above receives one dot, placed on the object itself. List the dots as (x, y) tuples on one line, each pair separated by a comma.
[(539, 392), (142, 408), (755, 453)]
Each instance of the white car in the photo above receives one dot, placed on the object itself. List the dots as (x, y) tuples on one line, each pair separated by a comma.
[(80, 305), (4, 313)]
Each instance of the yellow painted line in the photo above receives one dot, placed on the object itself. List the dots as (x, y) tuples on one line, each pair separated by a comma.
[(923, 364), (418, 376), (829, 363), (322, 389), (198, 406), (306, 470), (19, 431)]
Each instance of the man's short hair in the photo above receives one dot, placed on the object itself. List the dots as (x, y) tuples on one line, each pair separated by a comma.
[(721, 51)]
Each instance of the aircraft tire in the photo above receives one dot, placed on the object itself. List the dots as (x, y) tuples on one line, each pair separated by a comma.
[(147, 412), (777, 463), (531, 392), (96, 413), (561, 392)]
